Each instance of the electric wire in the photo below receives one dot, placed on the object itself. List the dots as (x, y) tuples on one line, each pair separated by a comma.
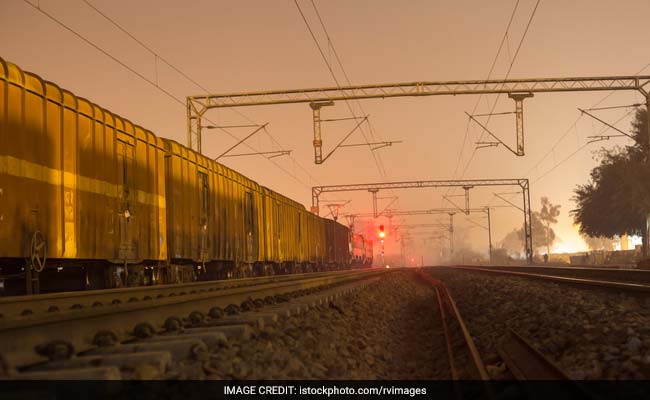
[(382, 171), (514, 58), (200, 86), (496, 57), (149, 81)]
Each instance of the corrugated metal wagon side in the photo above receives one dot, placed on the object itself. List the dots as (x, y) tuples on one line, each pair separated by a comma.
[(215, 217), (79, 190), (288, 234)]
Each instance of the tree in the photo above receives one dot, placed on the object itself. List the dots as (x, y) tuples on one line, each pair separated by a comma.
[(548, 215), (617, 197), (512, 243), (543, 234), (599, 243)]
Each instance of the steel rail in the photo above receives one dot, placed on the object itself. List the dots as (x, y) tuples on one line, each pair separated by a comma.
[(592, 272), (443, 297), (611, 285), (525, 362), (78, 328), (445, 331), (15, 306)]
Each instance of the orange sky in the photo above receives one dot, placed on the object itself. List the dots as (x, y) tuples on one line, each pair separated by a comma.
[(236, 46)]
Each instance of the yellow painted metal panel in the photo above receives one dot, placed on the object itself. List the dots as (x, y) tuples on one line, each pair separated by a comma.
[(4, 136), (62, 152)]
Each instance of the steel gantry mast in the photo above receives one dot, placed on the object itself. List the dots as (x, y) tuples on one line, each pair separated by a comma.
[(437, 211), (517, 89), (373, 188)]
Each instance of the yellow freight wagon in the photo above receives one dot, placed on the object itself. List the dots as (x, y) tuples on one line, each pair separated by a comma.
[(77, 183), (214, 216), (90, 200)]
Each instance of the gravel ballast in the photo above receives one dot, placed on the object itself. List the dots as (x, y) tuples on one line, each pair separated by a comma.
[(387, 330), (590, 333)]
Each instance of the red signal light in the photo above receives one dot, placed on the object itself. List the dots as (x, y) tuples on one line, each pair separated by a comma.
[(382, 234)]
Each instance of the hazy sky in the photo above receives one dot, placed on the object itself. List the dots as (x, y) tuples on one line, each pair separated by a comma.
[(238, 46)]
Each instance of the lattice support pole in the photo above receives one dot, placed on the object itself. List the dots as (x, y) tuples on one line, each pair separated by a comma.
[(467, 188), (194, 126), (318, 139), (646, 236), (451, 235), (489, 224), (334, 210), (528, 221), (375, 214), (315, 194), (519, 112)]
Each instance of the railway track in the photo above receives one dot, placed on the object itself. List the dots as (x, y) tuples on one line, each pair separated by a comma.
[(591, 330), (15, 306), (525, 362), (582, 277), (522, 360), (162, 319), (599, 273), (189, 321), (463, 358)]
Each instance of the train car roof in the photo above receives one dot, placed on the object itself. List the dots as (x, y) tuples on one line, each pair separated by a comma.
[(13, 74)]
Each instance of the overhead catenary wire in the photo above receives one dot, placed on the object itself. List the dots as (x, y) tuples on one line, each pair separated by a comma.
[(345, 74), (574, 153), (155, 54), (613, 107), (575, 122), (376, 157), (202, 87), (153, 83), (380, 167), (106, 53), (512, 62), (494, 62), (504, 40)]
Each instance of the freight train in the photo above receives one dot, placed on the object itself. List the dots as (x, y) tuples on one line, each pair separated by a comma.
[(361, 251), (90, 200)]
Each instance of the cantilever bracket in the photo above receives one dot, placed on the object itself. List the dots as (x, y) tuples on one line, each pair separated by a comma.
[(499, 141), (483, 145), (318, 140), (375, 214), (594, 139), (519, 110)]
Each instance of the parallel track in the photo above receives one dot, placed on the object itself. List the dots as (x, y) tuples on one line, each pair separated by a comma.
[(628, 287), (599, 273), (525, 362), (79, 329), (464, 360), (14, 306)]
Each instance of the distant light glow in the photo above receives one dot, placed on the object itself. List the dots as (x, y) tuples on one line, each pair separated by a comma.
[(387, 266), (382, 234), (563, 248), (568, 247), (632, 242)]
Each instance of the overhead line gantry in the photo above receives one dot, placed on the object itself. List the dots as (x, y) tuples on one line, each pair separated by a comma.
[(517, 89), (373, 188)]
